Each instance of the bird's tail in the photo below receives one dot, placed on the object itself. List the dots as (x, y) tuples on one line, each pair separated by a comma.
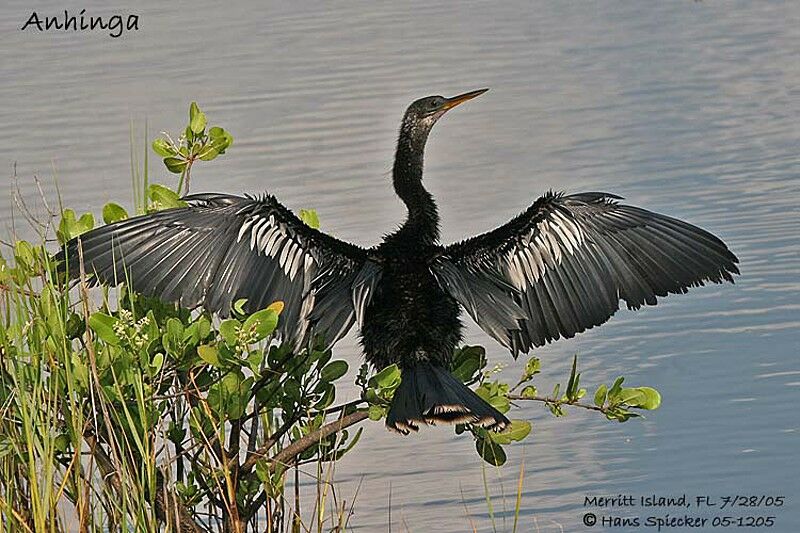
[(429, 394)]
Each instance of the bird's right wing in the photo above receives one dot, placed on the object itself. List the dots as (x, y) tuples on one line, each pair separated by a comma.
[(222, 248), (563, 265)]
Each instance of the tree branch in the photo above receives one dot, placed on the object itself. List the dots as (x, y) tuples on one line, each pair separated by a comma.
[(287, 455), (557, 403), (254, 456)]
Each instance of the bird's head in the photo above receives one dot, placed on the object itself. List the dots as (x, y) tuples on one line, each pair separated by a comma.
[(423, 113)]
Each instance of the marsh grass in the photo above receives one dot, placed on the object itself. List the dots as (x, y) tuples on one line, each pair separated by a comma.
[(96, 429)]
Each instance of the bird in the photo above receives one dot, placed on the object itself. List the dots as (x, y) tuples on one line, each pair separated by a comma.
[(557, 269)]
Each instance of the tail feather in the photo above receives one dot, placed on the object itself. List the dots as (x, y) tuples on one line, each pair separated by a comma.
[(430, 394)]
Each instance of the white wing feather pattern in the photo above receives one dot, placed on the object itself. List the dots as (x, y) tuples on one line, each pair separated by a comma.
[(222, 248), (563, 265)]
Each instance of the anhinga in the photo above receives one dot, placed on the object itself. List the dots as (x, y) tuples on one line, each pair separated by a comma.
[(557, 269)]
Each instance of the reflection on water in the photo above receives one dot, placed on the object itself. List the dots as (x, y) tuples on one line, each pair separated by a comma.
[(687, 108)]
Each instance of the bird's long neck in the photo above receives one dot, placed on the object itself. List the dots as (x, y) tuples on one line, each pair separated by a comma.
[(423, 217)]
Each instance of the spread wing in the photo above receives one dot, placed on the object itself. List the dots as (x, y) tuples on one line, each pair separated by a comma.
[(222, 248), (563, 265)]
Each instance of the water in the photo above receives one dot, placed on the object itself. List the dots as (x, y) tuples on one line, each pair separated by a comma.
[(689, 108)]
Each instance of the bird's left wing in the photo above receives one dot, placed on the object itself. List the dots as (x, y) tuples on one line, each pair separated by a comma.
[(221, 248), (563, 265)]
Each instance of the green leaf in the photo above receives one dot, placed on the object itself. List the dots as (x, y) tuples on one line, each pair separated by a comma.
[(69, 227), (516, 431), (196, 148), (237, 401), (229, 329), (218, 145), (556, 409), (494, 396), (209, 354), (291, 389), (197, 119), (309, 216), (376, 412), (630, 396), (203, 328), (262, 322), (468, 361), (173, 336), (651, 399), (66, 226), (80, 370), (174, 329), (333, 371), (371, 396), (228, 141), (238, 306), (23, 253), (491, 452), (529, 392), (620, 414), (556, 390), (613, 392), (113, 213), (194, 333), (220, 139), (164, 196), (103, 325), (254, 361), (157, 363), (85, 223), (208, 153), (198, 123), (532, 367), (387, 378), (600, 395), (230, 395), (175, 165), (163, 148), (574, 379), (328, 395)]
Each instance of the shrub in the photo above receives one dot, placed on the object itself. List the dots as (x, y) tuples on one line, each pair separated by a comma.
[(122, 412)]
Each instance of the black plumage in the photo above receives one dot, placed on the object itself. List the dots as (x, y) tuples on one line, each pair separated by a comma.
[(559, 268)]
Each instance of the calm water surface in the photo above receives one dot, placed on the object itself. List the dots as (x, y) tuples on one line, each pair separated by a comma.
[(690, 108)]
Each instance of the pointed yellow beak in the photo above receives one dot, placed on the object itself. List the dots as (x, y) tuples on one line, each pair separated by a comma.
[(461, 98)]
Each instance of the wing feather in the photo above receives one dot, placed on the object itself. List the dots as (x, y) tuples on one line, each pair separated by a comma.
[(563, 266), (222, 248)]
